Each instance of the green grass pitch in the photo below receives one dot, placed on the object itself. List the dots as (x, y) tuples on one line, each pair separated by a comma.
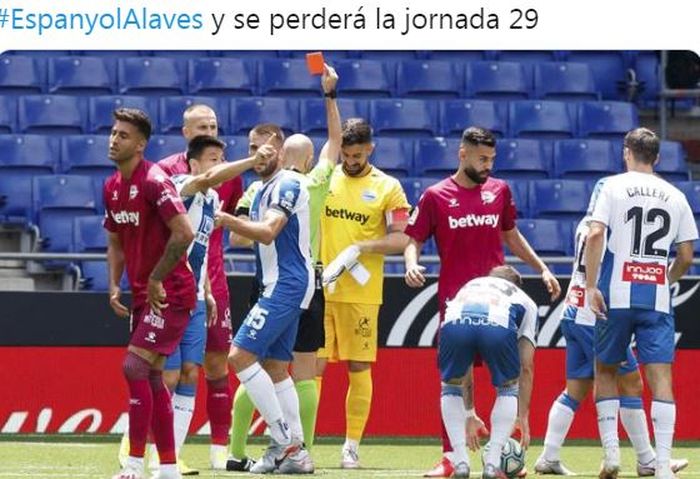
[(86, 457)]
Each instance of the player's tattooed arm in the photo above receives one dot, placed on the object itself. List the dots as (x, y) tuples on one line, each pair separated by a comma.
[(181, 235), (264, 231), (395, 240)]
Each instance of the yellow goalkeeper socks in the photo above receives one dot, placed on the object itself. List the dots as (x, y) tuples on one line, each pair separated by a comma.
[(357, 403)]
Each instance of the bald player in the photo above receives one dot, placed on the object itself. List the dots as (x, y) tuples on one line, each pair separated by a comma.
[(298, 155)]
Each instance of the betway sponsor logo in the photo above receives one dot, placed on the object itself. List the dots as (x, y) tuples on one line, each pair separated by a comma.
[(644, 273), (471, 220), (126, 217), (344, 214)]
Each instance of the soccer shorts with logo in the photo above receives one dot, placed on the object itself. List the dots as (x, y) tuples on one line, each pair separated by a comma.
[(219, 334), (461, 340), (310, 336), (580, 355), (269, 330), (351, 332), (191, 347), (160, 334), (654, 334)]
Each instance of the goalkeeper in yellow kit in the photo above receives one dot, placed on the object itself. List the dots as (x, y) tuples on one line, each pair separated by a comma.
[(362, 220)]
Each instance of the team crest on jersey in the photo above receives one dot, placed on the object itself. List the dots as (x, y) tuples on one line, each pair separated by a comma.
[(414, 216), (488, 197), (133, 192), (454, 203), (115, 195), (160, 178), (368, 195)]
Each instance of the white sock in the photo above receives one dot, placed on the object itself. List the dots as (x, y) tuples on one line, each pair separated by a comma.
[(262, 392), (607, 409), (454, 417), (351, 444), (183, 408), (289, 401), (561, 415), (634, 420), (503, 415), (663, 415), (169, 470)]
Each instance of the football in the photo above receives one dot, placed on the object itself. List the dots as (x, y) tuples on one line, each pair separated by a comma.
[(512, 457)]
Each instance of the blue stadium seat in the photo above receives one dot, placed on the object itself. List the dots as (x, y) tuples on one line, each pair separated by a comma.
[(86, 155), (579, 159), (59, 114), (646, 68), (150, 76), (529, 58), (521, 194), (171, 108), (100, 109), (565, 200), (248, 112), (565, 81), (389, 55), (414, 187), (180, 54), (89, 236), (456, 115), (221, 76), (72, 192), (57, 200), (543, 119), (547, 237), (397, 117), (29, 154), (160, 146), (691, 190), (15, 198), (250, 54), (436, 157), (81, 75), (8, 114), (672, 165), (287, 77), (521, 159), (498, 81), (21, 75), (606, 119), (95, 276), (608, 69), (429, 79), (457, 56), (393, 156), (313, 113), (366, 78), (236, 147)]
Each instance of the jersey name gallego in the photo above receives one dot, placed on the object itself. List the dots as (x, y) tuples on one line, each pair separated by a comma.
[(471, 220), (344, 214)]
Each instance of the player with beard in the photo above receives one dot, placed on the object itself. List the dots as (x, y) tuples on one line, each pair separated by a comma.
[(471, 215), (362, 220)]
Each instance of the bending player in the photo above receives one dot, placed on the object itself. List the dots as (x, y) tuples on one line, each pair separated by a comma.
[(149, 233), (297, 155), (262, 347), (642, 216), (490, 316), (471, 215), (577, 326)]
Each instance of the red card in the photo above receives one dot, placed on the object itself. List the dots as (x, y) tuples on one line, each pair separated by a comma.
[(314, 62)]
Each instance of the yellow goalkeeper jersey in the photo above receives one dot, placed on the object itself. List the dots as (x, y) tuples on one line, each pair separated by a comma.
[(358, 209)]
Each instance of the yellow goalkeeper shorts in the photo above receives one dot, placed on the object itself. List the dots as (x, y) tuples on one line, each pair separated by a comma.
[(351, 332)]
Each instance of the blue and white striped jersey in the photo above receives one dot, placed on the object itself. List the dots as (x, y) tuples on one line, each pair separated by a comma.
[(200, 210), (499, 302), (284, 267), (644, 216), (576, 306)]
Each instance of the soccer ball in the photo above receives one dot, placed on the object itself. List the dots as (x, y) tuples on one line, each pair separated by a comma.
[(512, 457)]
